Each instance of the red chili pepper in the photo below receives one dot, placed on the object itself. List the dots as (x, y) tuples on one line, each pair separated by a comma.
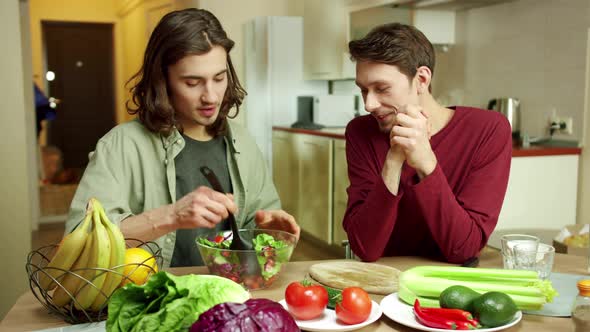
[(455, 314), (474, 322), (467, 325), (431, 320)]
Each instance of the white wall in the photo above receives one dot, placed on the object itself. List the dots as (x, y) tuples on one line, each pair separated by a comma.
[(32, 148), (17, 136), (584, 172)]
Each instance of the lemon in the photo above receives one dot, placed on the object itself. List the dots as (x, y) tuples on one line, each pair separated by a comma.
[(139, 266)]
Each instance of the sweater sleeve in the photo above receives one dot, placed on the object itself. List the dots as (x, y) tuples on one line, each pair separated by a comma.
[(372, 209), (462, 222)]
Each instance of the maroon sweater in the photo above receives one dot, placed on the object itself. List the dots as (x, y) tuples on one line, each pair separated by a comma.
[(450, 214)]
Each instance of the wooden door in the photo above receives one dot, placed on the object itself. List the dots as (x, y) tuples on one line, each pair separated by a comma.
[(81, 56)]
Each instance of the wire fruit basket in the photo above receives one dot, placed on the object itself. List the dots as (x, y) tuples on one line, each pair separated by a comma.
[(38, 259)]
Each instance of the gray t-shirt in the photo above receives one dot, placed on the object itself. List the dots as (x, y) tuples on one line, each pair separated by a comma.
[(188, 178)]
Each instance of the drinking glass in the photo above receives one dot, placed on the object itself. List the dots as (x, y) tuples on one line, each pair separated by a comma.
[(511, 240), (538, 259)]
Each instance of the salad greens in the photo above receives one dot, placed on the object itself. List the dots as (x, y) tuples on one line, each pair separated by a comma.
[(169, 303), (264, 243), (271, 254)]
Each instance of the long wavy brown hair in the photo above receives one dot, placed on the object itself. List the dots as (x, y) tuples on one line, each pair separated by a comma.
[(178, 34)]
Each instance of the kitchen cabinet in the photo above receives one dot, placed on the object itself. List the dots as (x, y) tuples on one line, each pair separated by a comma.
[(302, 174), (542, 193), (437, 25), (315, 191), (436, 19), (324, 39), (330, 24), (285, 164), (340, 195)]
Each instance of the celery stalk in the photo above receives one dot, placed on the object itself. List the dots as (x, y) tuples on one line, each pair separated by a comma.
[(427, 282)]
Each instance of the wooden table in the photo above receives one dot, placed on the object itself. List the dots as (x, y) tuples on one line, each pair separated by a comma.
[(28, 314)]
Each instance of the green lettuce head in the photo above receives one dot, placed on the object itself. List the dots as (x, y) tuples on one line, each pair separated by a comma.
[(169, 303)]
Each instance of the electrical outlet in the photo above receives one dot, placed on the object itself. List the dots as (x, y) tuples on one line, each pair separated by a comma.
[(563, 125), (569, 125)]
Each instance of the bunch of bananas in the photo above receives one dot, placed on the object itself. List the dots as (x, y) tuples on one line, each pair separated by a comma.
[(88, 263)]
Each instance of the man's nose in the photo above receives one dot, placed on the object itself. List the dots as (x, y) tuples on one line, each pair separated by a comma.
[(209, 96), (371, 103)]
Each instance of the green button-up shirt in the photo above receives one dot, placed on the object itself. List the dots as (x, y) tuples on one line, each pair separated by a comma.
[(132, 171)]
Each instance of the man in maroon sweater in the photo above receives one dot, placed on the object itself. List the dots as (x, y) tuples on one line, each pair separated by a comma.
[(425, 180)]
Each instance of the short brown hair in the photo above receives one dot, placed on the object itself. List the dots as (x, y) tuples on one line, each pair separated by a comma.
[(178, 34), (395, 44)]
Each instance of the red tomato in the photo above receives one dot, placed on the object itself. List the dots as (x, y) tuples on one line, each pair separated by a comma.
[(355, 306), (306, 301), (218, 239)]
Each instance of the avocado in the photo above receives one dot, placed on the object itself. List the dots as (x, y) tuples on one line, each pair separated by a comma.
[(458, 297), (494, 309)]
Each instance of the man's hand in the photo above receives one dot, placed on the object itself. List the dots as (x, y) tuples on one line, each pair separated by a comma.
[(203, 207), (277, 219), (412, 134)]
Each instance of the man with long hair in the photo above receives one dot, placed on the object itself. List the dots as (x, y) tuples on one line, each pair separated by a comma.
[(146, 172), (424, 179)]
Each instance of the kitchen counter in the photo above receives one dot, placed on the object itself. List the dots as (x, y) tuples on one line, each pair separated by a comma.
[(517, 151), (28, 314), (337, 133)]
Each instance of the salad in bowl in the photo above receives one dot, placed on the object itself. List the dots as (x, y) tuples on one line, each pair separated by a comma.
[(272, 249)]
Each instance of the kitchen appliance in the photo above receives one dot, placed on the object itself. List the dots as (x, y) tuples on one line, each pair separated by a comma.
[(273, 59), (317, 112), (333, 110), (305, 114), (510, 107)]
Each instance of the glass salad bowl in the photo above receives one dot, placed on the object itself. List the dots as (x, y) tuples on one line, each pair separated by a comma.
[(272, 250)]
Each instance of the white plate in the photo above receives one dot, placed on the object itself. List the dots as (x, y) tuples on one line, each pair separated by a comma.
[(327, 321), (402, 313)]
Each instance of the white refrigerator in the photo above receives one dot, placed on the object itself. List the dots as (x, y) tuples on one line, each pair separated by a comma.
[(274, 76)]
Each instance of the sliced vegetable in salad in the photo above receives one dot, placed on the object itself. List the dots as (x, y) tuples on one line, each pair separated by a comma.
[(271, 254)]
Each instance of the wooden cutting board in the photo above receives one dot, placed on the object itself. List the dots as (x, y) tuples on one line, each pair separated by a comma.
[(374, 278)]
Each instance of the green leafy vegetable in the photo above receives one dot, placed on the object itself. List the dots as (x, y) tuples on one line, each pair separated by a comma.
[(263, 241), (270, 253), (264, 244), (169, 303), (333, 296)]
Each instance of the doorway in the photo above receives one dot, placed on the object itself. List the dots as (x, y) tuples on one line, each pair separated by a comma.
[(81, 57)]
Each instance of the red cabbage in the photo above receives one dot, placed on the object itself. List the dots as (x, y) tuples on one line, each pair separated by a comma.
[(253, 315)]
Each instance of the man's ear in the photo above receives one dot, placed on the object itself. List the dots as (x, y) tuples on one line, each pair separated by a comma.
[(422, 79)]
